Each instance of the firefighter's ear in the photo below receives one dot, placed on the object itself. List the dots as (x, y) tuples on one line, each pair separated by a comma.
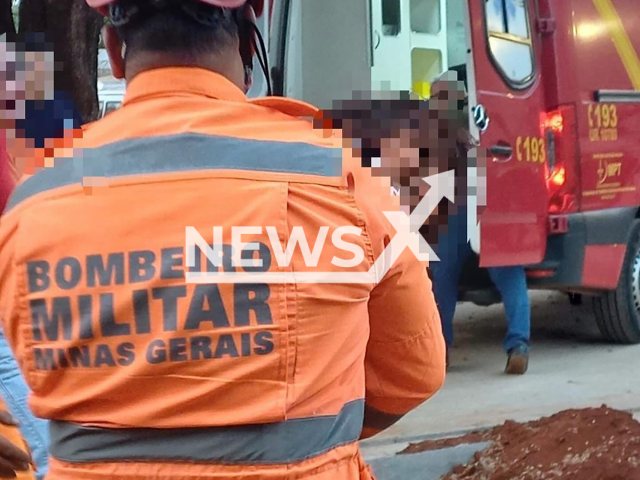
[(113, 44)]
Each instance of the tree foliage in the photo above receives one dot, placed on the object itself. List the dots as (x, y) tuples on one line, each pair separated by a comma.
[(6, 17)]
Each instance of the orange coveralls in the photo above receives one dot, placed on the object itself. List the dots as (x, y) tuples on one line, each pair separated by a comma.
[(147, 376)]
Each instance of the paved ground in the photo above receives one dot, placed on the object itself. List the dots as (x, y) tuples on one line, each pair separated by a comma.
[(426, 465), (570, 368)]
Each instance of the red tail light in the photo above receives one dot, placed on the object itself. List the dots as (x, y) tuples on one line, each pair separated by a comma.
[(558, 128), (554, 121), (558, 177)]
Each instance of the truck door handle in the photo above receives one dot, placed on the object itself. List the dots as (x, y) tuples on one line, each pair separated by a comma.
[(501, 153)]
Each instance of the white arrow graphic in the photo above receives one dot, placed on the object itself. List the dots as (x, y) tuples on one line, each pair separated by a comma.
[(404, 238), (442, 186), (407, 227)]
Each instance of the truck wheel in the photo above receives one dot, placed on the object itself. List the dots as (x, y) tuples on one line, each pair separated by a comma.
[(575, 299), (618, 312)]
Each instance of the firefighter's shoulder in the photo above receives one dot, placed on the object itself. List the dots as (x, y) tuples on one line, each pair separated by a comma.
[(289, 120), (288, 106)]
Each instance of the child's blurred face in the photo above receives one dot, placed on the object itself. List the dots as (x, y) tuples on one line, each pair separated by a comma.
[(399, 155), (411, 155)]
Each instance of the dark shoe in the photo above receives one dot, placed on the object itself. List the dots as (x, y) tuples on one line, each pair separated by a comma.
[(518, 360)]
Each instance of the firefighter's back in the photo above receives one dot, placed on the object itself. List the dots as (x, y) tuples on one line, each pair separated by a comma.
[(135, 364), (155, 359)]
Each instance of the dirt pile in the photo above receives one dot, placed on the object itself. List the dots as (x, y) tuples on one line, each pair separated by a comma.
[(590, 444)]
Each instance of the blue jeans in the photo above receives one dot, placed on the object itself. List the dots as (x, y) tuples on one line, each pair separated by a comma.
[(453, 251), (15, 392)]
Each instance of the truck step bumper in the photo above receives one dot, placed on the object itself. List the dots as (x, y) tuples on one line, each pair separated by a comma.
[(589, 256)]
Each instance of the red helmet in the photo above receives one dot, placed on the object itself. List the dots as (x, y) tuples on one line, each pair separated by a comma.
[(258, 5)]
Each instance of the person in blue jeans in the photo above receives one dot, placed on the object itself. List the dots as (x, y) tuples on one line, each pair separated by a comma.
[(449, 239), (454, 250)]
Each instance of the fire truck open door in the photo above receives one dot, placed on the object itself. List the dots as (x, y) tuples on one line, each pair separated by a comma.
[(505, 105)]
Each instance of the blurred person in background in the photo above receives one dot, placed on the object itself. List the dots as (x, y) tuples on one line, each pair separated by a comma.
[(460, 239), (387, 134), (405, 140), (36, 120)]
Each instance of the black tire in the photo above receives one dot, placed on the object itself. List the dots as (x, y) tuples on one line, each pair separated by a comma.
[(618, 311)]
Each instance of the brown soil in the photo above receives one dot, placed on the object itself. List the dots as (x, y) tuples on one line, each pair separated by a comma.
[(591, 444)]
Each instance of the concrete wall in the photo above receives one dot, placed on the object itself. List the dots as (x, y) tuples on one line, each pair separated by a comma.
[(328, 54)]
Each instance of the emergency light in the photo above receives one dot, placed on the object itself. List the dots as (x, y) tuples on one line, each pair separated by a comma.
[(558, 128)]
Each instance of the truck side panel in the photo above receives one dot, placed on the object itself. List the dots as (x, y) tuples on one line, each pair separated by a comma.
[(595, 48)]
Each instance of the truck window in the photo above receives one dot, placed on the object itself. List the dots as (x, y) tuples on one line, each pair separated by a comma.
[(391, 23), (509, 38)]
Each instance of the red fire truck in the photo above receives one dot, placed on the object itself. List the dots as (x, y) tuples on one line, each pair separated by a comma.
[(554, 88)]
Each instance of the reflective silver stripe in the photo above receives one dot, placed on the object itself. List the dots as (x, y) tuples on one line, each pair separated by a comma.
[(277, 443), (179, 153)]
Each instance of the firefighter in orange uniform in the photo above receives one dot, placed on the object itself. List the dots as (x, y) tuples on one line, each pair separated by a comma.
[(145, 374)]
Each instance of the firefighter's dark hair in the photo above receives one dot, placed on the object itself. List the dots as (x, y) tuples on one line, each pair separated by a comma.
[(183, 27)]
